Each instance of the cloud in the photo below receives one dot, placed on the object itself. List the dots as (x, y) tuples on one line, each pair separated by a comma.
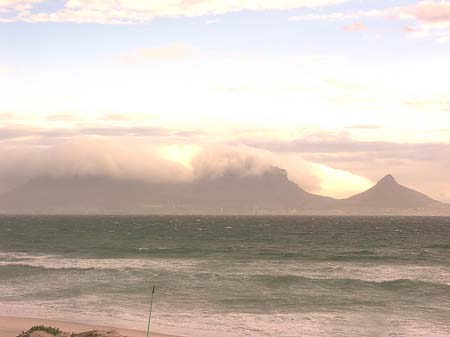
[(423, 166), (16, 10), (415, 32), (430, 12), (140, 131), (329, 164), (432, 17), (17, 5), (341, 143), (129, 160), (125, 117), (339, 16), (62, 118), (365, 126), (338, 150), (89, 156), (33, 136), (218, 161), (113, 118), (135, 11), (355, 27), (173, 52), (152, 162), (13, 132)]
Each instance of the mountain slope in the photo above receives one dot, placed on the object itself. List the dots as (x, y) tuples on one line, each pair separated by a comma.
[(231, 192), (86, 194), (388, 194), (271, 188)]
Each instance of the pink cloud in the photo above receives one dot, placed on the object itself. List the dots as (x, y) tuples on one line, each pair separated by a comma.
[(409, 29), (432, 17), (355, 27), (430, 12)]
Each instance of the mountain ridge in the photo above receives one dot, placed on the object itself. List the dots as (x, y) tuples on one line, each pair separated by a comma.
[(269, 192)]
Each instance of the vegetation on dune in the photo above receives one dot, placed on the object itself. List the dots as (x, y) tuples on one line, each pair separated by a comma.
[(48, 329)]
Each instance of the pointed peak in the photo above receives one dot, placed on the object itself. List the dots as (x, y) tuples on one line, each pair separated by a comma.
[(388, 179)]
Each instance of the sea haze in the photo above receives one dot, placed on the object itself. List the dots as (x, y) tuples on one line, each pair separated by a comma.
[(232, 276)]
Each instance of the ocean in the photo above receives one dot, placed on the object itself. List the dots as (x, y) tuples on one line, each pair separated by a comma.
[(231, 276)]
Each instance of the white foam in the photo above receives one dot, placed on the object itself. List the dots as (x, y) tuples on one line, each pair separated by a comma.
[(364, 271), (369, 272), (60, 262), (119, 310)]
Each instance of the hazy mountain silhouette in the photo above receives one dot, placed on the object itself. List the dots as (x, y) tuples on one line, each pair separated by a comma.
[(270, 189), (85, 194), (232, 192), (388, 194)]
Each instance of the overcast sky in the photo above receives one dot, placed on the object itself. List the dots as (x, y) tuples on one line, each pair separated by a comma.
[(338, 92)]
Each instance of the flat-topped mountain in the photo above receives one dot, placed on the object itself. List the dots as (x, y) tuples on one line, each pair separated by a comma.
[(231, 192), (90, 194), (270, 191), (272, 188)]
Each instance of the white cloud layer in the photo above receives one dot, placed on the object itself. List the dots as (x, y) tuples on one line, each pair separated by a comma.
[(131, 11), (17, 4), (143, 161)]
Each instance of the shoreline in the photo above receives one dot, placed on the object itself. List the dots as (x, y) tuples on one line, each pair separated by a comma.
[(13, 326)]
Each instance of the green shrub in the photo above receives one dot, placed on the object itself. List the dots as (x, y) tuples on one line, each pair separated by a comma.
[(48, 329)]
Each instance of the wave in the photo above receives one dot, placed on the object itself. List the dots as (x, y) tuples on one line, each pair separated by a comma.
[(403, 284), (440, 246), (356, 270), (60, 262), (285, 271)]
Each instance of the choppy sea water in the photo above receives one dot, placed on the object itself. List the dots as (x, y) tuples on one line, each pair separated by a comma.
[(231, 276)]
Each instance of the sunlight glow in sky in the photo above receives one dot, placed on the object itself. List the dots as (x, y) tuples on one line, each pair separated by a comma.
[(339, 92)]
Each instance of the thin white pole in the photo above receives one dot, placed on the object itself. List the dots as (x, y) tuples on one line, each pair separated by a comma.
[(150, 312)]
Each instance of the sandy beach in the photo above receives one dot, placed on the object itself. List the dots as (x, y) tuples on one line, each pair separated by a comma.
[(12, 326)]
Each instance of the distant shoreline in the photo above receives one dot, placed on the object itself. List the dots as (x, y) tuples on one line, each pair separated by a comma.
[(12, 326), (139, 215)]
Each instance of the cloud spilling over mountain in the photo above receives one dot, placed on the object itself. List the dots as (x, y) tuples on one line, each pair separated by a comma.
[(233, 188), (218, 162), (97, 175), (127, 160), (98, 156), (90, 156)]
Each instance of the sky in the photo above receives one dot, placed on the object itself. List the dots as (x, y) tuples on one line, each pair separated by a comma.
[(338, 92)]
